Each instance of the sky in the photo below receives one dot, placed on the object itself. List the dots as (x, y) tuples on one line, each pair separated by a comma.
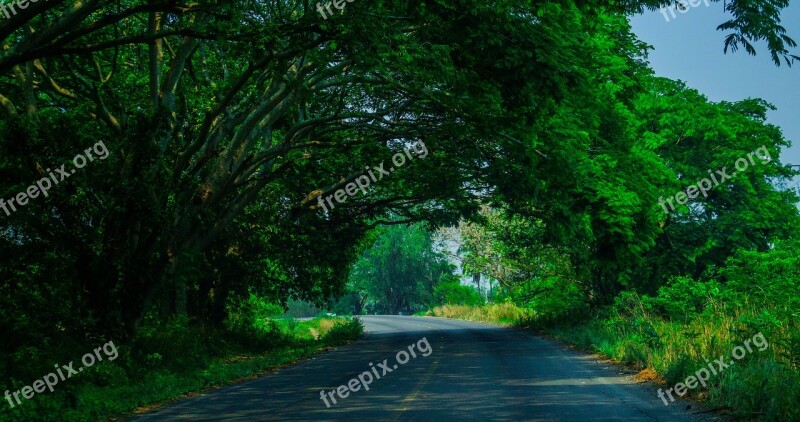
[(689, 48)]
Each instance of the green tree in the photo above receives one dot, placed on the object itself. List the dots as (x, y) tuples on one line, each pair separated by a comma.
[(400, 270), (454, 293), (695, 137), (227, 121)]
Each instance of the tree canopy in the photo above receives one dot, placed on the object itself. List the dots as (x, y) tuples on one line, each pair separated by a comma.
[(226, 121)]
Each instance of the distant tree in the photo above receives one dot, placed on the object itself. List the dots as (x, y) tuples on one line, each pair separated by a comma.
[(454, 293), (400, 270)]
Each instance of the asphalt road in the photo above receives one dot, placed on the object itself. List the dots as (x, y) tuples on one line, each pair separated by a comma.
[(472, 372)]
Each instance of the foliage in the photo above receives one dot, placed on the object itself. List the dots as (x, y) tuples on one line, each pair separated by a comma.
[(343, 332), (158, 368), (399, 271), (676, 350), (252, 311), (496, 313), (683, 298), (688, 322), (227, 123), (454, 293), (301, 309)]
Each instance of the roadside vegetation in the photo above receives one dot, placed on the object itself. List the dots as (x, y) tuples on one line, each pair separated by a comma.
[(686, 324), (601, 264), (170, 360), (495, 313)]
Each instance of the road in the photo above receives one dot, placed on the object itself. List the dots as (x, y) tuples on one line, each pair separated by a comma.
[(472, 372)]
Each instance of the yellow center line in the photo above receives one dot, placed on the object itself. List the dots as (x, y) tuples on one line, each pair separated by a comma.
[(406, 402)]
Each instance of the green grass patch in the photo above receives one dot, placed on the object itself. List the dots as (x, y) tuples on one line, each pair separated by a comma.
[(170, 361)]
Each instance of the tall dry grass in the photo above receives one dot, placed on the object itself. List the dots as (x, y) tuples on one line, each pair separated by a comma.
[(496, 313)]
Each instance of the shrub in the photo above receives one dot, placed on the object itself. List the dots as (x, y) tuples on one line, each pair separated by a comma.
[(343, 332), (683, 298), (170, 342), (453, 293), (252, 322), (250, 312)]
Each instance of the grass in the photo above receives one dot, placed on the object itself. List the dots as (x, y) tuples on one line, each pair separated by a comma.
[(763, 385), (498, 313), (143, 381)]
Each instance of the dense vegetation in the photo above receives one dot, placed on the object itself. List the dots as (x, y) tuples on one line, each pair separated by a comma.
[(671, 334), (169, 360), (405, 270), (224, 124)]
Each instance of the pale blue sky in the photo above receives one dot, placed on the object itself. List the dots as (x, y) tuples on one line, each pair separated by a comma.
[(690, 48)]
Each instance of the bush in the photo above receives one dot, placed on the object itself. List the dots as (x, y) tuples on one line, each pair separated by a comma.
[(453, 293), (301, 309), (252, 322), (343, 332), (165, 344), (683, 298), (251, 312)]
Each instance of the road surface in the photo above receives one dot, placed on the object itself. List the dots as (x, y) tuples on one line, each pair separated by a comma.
[(471, 372)]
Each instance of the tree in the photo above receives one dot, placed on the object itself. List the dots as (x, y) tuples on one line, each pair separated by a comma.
[(216, 126), (454, 293), (400, 270), (215, 112), (696, 138)]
